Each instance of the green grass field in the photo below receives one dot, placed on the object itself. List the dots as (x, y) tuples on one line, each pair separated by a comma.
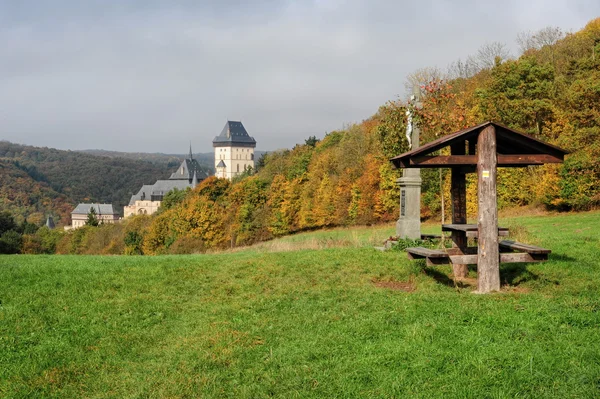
[(341, 320)]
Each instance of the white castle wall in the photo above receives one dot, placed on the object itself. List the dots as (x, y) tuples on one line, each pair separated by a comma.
[(236, 160)]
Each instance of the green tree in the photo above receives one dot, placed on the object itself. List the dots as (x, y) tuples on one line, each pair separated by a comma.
[(173, 198), (311, 141), (10, 242), (7, 222), (92, 218), (27, 228), (133, 242), (520, 95)]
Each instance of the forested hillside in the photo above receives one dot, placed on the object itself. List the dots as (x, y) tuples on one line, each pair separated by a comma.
[(24, 197), (47, 180), (552, 92)]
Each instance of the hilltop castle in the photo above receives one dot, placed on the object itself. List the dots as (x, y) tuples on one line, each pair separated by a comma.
[(234, 153), (234, 150), (148, 199)]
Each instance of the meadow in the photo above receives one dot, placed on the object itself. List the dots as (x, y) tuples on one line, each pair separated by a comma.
[(314, 315)]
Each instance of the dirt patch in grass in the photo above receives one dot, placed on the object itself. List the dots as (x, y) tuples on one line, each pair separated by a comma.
[(515, 289), (405, 286), (466, 282)]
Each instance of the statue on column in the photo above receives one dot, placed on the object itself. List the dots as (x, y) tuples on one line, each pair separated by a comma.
[(409, 223)]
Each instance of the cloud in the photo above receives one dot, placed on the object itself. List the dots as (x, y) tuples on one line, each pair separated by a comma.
[(152, 75)]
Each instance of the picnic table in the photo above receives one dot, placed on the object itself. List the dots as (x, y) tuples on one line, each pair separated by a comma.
[(462, 254), (480, 149)]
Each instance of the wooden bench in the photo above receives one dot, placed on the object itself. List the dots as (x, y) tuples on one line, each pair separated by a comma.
[(526, 252), (518, 246), (432, 256), (522, 253)]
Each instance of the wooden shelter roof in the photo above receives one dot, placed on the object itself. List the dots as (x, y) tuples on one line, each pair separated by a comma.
[(514, 149)]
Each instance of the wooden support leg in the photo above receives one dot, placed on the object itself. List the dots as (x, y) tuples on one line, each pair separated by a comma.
[(488, 256), (459, 212)]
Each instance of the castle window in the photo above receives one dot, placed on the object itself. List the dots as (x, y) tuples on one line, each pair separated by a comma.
[(238, 167)]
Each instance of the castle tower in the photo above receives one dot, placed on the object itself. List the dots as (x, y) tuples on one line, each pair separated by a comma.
[(234, 150)]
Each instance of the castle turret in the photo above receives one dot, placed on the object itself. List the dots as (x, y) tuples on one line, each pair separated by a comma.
[(234, 150)]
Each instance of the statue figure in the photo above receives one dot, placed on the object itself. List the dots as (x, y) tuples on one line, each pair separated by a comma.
[(409, 123)]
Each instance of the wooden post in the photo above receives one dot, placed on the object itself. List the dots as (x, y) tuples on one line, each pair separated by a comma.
[(459, 211), (488, 257)]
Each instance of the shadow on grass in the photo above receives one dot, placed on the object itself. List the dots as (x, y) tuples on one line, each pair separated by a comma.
[(511, 275), (444, 279), (561, 257), (515, 274)]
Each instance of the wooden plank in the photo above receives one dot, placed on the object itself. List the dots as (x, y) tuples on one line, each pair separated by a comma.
[(518, 246), (425, 252), (520, 257), (463, 260), (464, 251), (442, 142), (517, 257), (437, 161), (459, 227), (437, 261), (441, 161), (488, 256), (519, 139), (470, 229), (527, 159), (474, 234)]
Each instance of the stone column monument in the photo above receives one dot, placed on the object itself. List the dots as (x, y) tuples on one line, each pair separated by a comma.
[(409, 223)]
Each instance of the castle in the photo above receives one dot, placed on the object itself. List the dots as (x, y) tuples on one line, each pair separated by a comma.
[(234, 150), (234, 153), (148, 199)]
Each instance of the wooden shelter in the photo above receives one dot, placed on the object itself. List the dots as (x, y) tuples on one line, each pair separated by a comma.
[(480, 149)]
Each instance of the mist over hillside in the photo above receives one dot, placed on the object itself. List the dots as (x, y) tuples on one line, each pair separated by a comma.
[(204, 158)]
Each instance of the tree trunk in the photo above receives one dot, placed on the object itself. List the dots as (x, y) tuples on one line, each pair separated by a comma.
[(488, 257)]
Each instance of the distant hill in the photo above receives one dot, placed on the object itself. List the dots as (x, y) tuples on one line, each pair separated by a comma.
[(25, 197), (35, 178), (173, 160), (37, 181)]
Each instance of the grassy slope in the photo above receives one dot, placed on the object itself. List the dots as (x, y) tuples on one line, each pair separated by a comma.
[(303, 324)]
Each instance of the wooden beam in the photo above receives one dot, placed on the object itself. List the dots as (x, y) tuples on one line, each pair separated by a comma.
[(463, 260), (488, 256), (464, 251), (458, 191), (443, 160), (518, 139), (522, 257), (504, 258), (527, 159), (440, 161), (518, 246)]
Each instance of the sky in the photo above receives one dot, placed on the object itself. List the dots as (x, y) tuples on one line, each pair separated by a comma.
[(151, 76)]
